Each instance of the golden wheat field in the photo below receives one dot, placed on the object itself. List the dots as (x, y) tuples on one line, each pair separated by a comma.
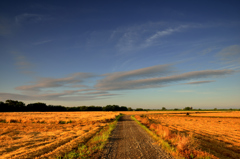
[(217, 133), (47, 134)]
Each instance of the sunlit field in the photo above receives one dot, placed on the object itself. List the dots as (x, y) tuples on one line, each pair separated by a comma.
[(217, 133), (53, 134), (216, 114), (47, 134), (166, 112)]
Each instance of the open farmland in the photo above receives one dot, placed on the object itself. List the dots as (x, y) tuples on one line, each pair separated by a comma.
[(47, 135), (234, 114), (217, 133), (163, 112)]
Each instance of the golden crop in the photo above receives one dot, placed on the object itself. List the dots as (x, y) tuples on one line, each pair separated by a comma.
[(217, 133), (47, 134)]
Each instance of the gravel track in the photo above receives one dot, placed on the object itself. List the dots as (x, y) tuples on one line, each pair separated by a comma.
[(129, 140)]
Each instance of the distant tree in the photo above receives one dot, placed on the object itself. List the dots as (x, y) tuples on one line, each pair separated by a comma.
[(215, 109), (91, 108), (37, 107), (123, 108), (187, 108), (108, 108), (3, 107), (14, 105), (73, 108), (98, 108), (163, 108), (176, 109), (130, 109), (115, 108), (56, 108), (139, 109), (83, 108)]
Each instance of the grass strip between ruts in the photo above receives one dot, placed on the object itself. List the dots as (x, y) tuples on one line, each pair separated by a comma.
[(95, 144)]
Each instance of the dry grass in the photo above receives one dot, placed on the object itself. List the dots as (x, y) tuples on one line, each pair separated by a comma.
[(218, 114), (184, 144), (219, 135), (46, 135), (55, 117), (167, 112), (149, 112)]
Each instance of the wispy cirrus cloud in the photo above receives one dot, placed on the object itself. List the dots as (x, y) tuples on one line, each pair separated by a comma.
[(145, 35), (149, 77), (23, 63), (63, 96), (97, 92), (131, 80), (184, 91), (140, 73), (158, 34), (42, 42), (200, 82), (6, 96), (230, 54), (41, 83)]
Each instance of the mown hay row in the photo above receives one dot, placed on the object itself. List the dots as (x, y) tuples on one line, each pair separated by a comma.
[(67, 147)]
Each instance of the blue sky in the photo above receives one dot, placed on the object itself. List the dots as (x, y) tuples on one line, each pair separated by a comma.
[(148, 54)]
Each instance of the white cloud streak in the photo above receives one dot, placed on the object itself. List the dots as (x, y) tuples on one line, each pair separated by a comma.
[(67, 95), (120, 81), (140, 73), (149, 77), (56, 82), (53, 97), (149, 41), (143, 36), (200, 82)]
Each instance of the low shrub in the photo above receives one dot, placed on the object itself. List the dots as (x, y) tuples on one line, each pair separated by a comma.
[(62, 122)]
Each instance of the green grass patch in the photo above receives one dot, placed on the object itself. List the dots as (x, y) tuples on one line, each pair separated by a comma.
[(95, 145)]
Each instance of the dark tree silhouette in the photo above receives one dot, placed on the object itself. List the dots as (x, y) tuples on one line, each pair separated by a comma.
[(14, 106)]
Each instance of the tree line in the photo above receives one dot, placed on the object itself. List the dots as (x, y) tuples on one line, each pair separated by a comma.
[(19, 106)]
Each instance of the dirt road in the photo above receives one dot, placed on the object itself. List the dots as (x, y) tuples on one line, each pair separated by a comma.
[(129, 140)]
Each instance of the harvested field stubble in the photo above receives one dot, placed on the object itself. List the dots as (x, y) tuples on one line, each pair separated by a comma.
[(218, 135), (47, 135), (184, 145)]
